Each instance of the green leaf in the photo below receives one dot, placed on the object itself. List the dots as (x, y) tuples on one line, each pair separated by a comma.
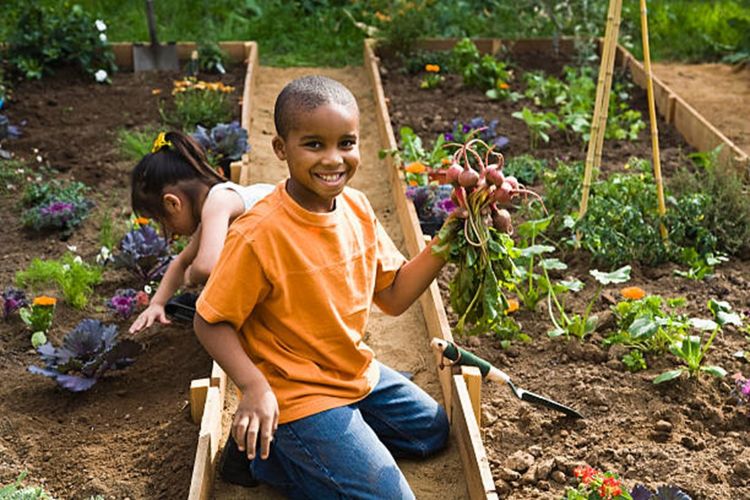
[(643, 327), (617, 276), (38, 339), (536, 250), (574, 285), (729, 318), (714, 370), (556, 332), (531, 228), (553, 264), (668, 375), (703, 324)]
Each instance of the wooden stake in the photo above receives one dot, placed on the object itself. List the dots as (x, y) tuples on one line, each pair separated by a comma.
[(652, 118), (601, 105), (198, 392), (473, 379)]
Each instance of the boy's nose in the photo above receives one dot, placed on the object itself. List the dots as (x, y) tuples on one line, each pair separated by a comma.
[(332, 157)]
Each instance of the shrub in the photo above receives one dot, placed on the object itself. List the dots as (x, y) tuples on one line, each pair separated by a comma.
[(73, 277), (46, 37)]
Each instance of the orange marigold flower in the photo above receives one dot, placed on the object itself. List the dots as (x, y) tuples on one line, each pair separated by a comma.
[(416, 168), (142, 221), (432, 68), (44, 300), (413, 183), (383, 18), (513, 306), (503, 85), (155, 91), (633, 292), (446, 161)]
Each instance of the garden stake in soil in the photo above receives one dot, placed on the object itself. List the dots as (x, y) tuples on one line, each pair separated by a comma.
[(462, 357)]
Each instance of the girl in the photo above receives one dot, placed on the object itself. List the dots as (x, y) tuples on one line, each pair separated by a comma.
[(176, 186)]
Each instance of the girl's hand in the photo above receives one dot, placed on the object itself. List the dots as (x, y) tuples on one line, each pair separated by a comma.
[(154, 312), (257, 416)]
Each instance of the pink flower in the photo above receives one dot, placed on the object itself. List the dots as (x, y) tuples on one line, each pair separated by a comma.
[(142, 298)]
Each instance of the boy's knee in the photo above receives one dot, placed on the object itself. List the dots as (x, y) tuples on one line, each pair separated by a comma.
[(436, 436)]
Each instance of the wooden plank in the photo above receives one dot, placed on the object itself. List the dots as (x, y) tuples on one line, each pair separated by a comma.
[(476, 465), (123, 52), (201, 481), (251, 49), (198, 392), (219, 379), (211, 421), (473, 378)]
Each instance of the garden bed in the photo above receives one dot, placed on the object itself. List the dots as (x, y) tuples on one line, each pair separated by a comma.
[(131, 435), (688, 432)]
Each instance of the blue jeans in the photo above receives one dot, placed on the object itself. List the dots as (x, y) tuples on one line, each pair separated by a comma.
[(348, 452)]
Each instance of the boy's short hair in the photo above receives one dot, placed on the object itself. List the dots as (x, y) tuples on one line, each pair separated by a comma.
[(306, 94)]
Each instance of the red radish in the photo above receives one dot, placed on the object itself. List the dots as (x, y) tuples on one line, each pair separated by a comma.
[(500, 160), (513, 182), (501, 221), (468, 178), (494, 175), (453, 172)]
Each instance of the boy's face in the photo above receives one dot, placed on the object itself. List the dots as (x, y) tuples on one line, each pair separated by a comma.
[(322, 152)]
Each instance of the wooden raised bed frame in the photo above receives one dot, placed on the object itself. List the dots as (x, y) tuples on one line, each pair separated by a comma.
[(461, 391)]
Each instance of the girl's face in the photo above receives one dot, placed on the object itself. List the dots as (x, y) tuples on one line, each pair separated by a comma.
[(322, 152)]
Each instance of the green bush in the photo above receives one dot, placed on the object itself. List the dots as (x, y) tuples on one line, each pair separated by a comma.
[(44, 38), (70, 275)]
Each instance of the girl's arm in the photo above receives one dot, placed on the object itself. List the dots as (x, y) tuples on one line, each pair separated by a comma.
[(172, 280), (218, 210), (411, 281), (257, 414)]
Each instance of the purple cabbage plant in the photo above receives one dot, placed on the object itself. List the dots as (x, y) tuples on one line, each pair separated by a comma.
[(489, 135), (13, 299), (123, 302), (224, 143), (87, 352), (433, 204), (144, 253), (640, 492)]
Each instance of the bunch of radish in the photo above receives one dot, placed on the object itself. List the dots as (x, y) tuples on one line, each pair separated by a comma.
[(477, 236)]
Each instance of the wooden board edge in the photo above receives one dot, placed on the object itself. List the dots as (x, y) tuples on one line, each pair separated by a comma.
[(219, 379), (202, 478), (476, 465), (123, 51), (198, 393), (211, 421)]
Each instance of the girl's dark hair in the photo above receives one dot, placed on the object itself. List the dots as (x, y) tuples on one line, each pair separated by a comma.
[(182, 160)]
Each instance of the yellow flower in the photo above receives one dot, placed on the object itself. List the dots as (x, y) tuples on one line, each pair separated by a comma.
[(155, 91), (432, 68), (382, 17), (503, 85), (45, 301), (142, 221), (416, 168), (513, 306), (633, 292)]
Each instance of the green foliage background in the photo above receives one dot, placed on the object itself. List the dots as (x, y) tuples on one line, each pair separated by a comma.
[(324, 33)]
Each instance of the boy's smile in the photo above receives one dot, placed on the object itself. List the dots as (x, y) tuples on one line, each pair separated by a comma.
[(322, 153)]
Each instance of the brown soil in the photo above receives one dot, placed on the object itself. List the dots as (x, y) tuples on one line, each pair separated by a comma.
[(719, 92), (131, 435), (705, 450)]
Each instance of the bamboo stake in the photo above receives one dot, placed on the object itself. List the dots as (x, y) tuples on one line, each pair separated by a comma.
[(652, 118), (601, 105)]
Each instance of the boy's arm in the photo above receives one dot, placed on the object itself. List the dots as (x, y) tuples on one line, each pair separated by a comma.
[(410, 282), (257, 414)]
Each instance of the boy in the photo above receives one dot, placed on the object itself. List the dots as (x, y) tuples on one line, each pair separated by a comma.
[(296, 279)]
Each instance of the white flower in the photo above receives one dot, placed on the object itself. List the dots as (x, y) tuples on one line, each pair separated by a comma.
[(39, 158), (72, 248), (78, 260), (100, 25), (103, 37), (147, 289), (101, 76), (66, 267), (104, 256)]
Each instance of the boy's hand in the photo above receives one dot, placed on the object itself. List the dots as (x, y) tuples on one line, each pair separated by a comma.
[(257, 416), (154, 312)]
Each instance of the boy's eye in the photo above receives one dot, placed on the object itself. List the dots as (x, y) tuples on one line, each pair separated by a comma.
[(313, 144), (348, 143)]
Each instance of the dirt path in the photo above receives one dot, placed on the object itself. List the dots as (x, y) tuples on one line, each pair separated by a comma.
[(399, 342), (717, 91)]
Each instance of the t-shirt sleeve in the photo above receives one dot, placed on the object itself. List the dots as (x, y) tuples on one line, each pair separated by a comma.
[(236, 284), (389, 259)]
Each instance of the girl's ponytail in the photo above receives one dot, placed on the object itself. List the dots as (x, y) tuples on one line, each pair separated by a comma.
[(175, 158)]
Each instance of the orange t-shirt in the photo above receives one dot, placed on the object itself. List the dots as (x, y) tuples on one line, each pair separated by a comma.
[(298, 286)]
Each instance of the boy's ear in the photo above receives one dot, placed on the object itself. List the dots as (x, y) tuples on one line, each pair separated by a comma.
[(279, 147), (172, 203)]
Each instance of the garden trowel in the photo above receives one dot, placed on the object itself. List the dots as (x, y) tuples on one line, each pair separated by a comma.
[(154, 57), (462, 357)]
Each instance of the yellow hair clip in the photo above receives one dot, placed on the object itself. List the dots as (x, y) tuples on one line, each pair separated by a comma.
[(160, 142)]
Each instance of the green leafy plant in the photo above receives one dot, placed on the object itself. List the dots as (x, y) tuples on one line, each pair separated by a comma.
[(46, 37), (539, 124), (581, 325), (525, 168), (596, 485), (134, 144), (691, 351), (16, 491), (73, 277), (417, 161), (38, 317), (482, 71), (699, 266), (634, 361), (530, 286), (200, 103), (211, 58), (55, 205)]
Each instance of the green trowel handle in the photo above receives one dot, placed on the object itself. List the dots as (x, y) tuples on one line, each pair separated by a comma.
[(465, 358)]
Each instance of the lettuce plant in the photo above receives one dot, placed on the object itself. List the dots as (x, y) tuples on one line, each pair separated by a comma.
[(87, 352), (144, 253), (12, 300)]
